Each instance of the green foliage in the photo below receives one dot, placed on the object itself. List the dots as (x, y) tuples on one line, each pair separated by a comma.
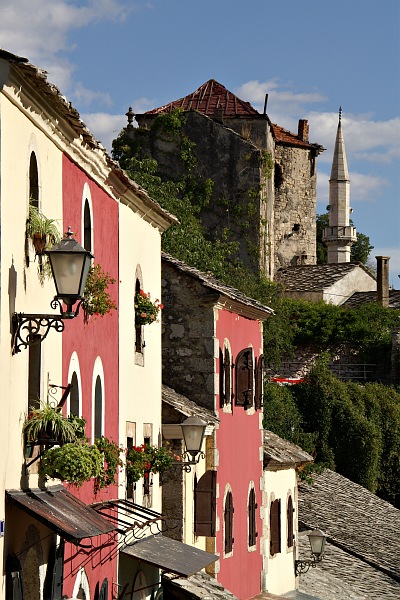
[(146, 311), (97, 300), (39, 224), (146, 459), (360, 250), (352, 428), (111, 462), (49, 422), (74, 463)]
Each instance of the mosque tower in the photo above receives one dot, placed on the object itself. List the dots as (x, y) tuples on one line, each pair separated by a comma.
[(339, 235)]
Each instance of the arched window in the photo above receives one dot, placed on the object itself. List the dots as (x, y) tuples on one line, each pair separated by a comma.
[(290, 533), (259, 383), (98, 408), (87, 227), (138, 328), (33, 181), (225, 377), (251, 511), (74, 395), (228, 523)]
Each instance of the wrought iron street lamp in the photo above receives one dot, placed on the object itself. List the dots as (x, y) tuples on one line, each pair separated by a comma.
[(317, 542), (193, 430), (70, 264)]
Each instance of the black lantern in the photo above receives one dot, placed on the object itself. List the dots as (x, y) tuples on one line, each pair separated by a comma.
[(317, 542), (70, 264), (193, 430)]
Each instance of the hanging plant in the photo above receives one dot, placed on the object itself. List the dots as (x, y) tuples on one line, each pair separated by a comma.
[(146, 311), (47, 424), (74, 463), (111, 462), (43, 233), (145, 459), (97, 300)]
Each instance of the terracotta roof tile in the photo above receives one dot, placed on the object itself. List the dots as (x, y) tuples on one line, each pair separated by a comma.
[(206, 99)]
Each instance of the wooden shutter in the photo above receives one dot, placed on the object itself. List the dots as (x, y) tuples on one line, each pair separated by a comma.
[(244, 378), (259, 380), (252, 518), (225, 377), (275, 527), (14, 585), (205, 496), (290, 511), (103, 595), (228, 522)]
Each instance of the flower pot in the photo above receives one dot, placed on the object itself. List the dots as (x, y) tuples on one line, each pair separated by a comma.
[(39, 243)]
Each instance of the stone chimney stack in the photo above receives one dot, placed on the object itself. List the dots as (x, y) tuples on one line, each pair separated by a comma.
[(382, 284), (303, 130)]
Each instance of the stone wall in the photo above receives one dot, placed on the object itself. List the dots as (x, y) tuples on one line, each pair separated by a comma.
[(271, 213), (188, 335), (295, 206)]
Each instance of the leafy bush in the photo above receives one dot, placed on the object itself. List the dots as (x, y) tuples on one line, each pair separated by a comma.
[(112, 461), (74, 463), (146, 311), (97, 300), (146, 459)]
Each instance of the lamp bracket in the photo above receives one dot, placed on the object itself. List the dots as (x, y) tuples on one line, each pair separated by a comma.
[(186, 465), (302, 566)]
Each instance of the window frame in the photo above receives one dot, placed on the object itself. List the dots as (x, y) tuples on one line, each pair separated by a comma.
[(228, 523)]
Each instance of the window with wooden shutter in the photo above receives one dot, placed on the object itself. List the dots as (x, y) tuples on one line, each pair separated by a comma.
[(258, 396), (244, 378), (228, 523), (252, 505), (290, 511), (14, 584), (275, 527), (225, 377), (205, 496), (103, 595)]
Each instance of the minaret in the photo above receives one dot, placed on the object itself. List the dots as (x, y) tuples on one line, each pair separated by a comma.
[(340, 235)]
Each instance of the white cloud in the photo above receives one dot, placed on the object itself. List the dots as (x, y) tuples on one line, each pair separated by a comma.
[(362, 188), (85, 97), (105, 127), (39, 30)]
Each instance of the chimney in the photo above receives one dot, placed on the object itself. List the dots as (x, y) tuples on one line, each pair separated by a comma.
[(303, 130), (382, 284)]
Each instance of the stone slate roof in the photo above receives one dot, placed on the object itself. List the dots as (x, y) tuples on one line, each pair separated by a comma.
[(356, 521), (214, 285), (187, 407), (314, 278), (359, 298), (342, 576), (212, 95), (199, 586), (53, 97), (279, 453)]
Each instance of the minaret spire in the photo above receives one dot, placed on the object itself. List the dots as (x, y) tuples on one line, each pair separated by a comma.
[(340, 235)]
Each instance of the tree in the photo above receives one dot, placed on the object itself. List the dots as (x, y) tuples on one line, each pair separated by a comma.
[(360, 250)]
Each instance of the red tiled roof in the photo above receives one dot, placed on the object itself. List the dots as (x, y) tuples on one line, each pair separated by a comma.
[(207, 98), (283, 136)]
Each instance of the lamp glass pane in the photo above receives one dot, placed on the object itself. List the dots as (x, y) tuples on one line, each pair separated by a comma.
[(193, 432), (317, 542), (67, 270)]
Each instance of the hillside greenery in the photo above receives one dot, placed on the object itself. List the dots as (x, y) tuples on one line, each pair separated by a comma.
[(349, 427)]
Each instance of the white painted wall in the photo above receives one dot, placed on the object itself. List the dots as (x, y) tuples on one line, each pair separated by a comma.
[(278, 570), (140, 385)]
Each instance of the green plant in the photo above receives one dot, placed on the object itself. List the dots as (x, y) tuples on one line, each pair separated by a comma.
[(146, 459), (146, 311), (43, 233), (97, 300), (111, 462), (74, 463), (48, 422)]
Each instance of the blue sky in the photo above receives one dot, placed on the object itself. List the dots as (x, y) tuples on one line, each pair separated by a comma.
[(310, 56)]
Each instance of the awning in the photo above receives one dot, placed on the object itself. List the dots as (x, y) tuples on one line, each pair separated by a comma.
[(170, 555), (59, 510), (129, 517)]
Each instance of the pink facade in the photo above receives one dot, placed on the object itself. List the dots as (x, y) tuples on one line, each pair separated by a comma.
[(95, 348), (238, 440)]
